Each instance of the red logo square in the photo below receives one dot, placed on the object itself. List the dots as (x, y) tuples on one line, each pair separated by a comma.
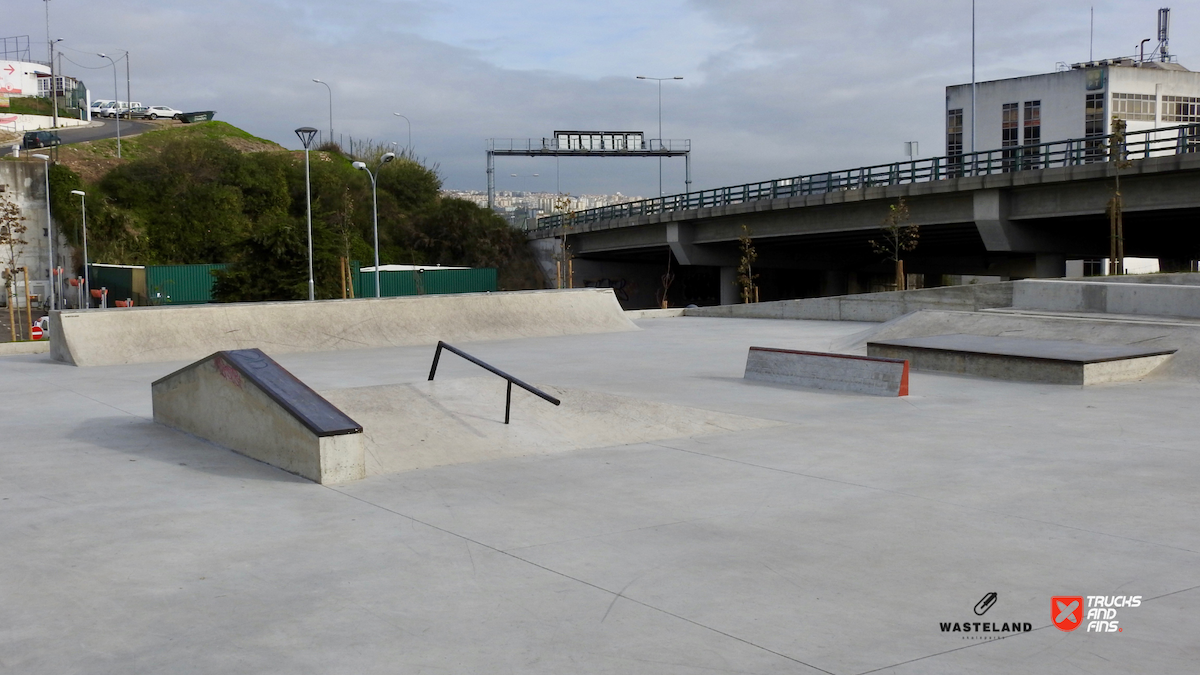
[(1066, 611)]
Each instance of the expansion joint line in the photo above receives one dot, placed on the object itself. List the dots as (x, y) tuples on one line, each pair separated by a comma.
[(616, 595)]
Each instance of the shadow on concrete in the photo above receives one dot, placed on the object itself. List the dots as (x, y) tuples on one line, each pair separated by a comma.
[(142, 439)]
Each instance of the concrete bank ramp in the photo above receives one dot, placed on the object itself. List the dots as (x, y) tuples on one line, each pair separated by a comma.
[(1183, 336), (149, 334), (456, 421)]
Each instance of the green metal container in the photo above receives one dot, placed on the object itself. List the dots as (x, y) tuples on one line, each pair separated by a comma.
[(181, 284), (124, 282), (425, 281), (201, 116)]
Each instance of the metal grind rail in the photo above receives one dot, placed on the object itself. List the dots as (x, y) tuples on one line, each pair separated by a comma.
[(1162, 142), (511, 380)]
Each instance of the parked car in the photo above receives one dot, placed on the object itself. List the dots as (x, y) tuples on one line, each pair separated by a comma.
[(98, 105), (40, 139), (114, 108), (155, 111)]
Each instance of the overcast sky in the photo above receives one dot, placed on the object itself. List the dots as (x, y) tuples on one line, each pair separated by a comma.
[(771, 88)]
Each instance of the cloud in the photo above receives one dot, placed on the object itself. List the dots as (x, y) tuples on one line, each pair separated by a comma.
[(772, 88)]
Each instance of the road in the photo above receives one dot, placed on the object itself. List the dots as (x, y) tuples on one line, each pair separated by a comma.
[(106, 129)]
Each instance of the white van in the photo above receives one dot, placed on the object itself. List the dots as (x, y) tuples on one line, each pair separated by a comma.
[(113, 108), (98, 104)]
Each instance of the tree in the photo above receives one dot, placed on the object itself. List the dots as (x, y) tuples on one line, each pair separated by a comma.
[(1116, 224), (745, 271), (12, 243), (899, 236)]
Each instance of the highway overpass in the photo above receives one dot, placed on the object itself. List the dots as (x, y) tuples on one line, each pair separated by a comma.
[(1012, 213)]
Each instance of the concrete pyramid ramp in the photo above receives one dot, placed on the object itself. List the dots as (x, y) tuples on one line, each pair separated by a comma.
[(247, 402), (150, 334), (456, 421)]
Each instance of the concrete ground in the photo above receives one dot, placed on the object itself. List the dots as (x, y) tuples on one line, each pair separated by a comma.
[(835, 542)]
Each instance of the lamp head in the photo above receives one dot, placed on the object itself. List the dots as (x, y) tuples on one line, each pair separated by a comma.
[(103, 56), (318, 81), (44, 158), (306, 135), (389, 157), (641, 77), (81, 193), (676, 78), (361, 166)]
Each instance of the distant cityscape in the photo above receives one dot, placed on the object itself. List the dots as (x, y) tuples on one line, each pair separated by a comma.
[(524, 208)]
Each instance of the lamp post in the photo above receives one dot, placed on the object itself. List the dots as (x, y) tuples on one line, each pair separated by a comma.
[(87, 277), (116, 95), (49, 226), (330, 107), (659, 80), (409, 128), (306, 135), (361, 166)]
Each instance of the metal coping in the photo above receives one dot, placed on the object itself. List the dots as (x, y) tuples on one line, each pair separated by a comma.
[(320, 416), (1029, 349)]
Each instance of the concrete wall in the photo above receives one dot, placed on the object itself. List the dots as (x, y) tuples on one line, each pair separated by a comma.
[(24, 183), (21, 123), (1107, 297), (148, 334), (870, 306)]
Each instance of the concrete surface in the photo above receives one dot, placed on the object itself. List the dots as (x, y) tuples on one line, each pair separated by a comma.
[(213, 400), (425, 424), (1181, 336), (870, 306), (1023, 359), (823, 370), (188, 332), (26, 347), (836, 540), (1109, 297)]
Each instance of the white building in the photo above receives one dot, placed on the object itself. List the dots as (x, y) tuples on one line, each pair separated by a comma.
[(1078, 102)]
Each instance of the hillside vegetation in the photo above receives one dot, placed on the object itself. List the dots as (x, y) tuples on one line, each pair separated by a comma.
[(211, 193)]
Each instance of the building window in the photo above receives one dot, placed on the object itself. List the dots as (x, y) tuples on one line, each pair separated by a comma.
[(954, 140), (1010, 131), (1136, 107), (1032, 135), (1093, 128), (1182, 109)]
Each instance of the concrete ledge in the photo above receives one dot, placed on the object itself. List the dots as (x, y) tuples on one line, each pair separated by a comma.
[(875, 307), (1148, 299), (24, 347), (634, 314), (248, 403), (1023, 359), (820, 370), (148, 334)]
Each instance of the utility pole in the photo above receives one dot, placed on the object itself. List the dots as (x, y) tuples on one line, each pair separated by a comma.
[(50, 51)]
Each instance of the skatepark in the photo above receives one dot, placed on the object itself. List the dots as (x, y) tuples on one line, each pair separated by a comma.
[(673, 514)]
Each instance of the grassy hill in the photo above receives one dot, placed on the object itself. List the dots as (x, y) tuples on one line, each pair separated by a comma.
[(93, 159)]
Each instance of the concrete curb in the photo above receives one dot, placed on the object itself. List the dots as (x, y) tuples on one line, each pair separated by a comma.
[(26, 347)]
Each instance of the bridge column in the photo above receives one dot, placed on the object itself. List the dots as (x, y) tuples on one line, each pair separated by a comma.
[(1001, 234), (679, 238), (729, 287)]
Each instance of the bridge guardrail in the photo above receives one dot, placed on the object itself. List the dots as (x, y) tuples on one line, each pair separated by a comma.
[(1161, 142)]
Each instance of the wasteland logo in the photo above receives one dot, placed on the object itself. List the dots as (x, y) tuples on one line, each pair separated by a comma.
[(985, 630)]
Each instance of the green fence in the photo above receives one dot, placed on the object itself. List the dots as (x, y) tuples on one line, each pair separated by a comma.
[(432, 281), (180, 284)]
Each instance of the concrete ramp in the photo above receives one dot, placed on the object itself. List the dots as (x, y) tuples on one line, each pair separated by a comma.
[(1181, 336), (421, 425), (247, 402), (150, 334)]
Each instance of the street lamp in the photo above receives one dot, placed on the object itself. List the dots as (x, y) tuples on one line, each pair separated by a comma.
[(87, 277), (306, 136), (409, 128), (330, 107), (116, 95), (659, 80), (361, 166), (49, 225)]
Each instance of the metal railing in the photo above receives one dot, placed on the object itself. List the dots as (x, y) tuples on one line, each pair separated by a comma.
[(1138, 145), (511, 380)]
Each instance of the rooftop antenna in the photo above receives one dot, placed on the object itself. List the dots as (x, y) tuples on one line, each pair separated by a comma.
[(1091, 32), (1164, 27)]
